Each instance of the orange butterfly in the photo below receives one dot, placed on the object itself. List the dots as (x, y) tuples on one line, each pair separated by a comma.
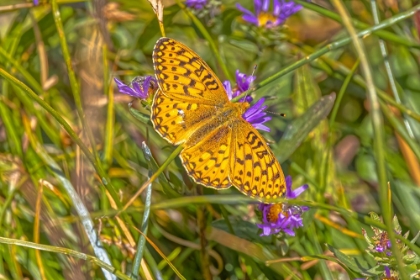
[(221, 148)]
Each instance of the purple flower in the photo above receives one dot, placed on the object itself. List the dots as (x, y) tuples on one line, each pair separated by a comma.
[(36, 2), (196, 4), (139, 86), (383, 245), (292, 194), (256, 116), (387, 272), (243, 82), (283, 217), (264, 18)]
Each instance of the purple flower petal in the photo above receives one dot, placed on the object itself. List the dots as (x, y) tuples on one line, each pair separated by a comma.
[(256, 116), (139, 87), (265, 5), (243, 81), (304, 208), (288, 9), (291, 194), (387, 272), (297, 192), (288, 184), (243, 10), (263, 17), (123, 88), (242, 84), (228, 88), (196, 4), (257, 5), (251, 19), (261, 127), (379, 248), (276, 8), (248, 15), (289, 232)]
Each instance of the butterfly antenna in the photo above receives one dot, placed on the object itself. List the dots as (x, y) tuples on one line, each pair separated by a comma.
[(253, 71), (277, 114)]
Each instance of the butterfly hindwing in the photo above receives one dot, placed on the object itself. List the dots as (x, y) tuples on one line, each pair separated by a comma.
[(254, 170), (208, 160)]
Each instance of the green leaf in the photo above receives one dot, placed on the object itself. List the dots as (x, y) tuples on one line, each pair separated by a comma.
[(307, 91), (297, 131), (143, 118)]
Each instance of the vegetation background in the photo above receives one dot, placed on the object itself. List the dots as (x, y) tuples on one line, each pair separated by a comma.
[(73, 152)]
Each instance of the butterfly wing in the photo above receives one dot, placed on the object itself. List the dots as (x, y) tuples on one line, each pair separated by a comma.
[(254, 170), (207, 161), (183, 75), (175, 119), (189, 95)]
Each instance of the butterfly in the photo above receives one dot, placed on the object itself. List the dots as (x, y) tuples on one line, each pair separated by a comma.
[(221, 149)]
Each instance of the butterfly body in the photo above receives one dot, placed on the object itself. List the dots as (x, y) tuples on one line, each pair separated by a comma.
[(221, 148)]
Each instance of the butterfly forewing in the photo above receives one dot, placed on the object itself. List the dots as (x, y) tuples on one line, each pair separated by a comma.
[(176, 120), (182, 74)]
